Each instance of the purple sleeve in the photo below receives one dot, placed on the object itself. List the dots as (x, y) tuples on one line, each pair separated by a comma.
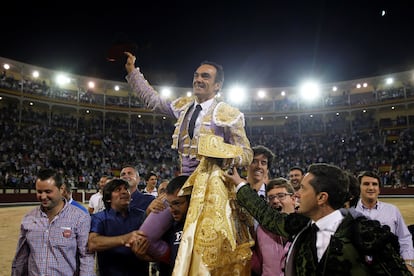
[(155, 226)]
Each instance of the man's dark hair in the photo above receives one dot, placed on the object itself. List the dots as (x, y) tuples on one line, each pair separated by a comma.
[(148, 175), (332, 180), (297, 168), (109, 188), (354, 189), (67, 187), (257, 150), (369, 174), (219, 69), (280, 182), (45, 174), (175, 184)]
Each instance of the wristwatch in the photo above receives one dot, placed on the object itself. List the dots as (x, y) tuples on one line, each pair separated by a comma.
[(409, 262)]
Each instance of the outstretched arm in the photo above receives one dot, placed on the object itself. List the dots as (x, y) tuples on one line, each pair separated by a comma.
[(144, 91), (268, 217), (154, 227)]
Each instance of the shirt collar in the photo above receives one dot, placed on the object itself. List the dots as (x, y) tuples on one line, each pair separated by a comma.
[(331, 221), (205, 105), (116, 213), (367, 208)]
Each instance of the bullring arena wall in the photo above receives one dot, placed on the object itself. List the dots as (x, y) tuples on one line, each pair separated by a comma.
[(11, 197)]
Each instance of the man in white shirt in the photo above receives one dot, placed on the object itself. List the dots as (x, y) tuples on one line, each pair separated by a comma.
[(151, 183), (259, 169), (385, 213), (96, 203)]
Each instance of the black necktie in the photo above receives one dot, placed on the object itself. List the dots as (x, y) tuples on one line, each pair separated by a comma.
[(314, 230), (193, 120)]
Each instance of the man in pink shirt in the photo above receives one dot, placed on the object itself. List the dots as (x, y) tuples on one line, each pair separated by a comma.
[(270, 252)]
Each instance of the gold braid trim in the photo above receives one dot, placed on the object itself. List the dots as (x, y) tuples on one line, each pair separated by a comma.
[(226, 115), (181, 103)]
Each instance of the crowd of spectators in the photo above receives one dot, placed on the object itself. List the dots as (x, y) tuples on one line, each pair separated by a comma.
[(86, 154), (82, 155)]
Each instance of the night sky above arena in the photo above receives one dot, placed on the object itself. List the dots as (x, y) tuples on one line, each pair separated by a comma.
[(262, 43)]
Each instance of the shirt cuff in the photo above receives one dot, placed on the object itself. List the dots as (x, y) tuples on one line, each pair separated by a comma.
[(241, 184)]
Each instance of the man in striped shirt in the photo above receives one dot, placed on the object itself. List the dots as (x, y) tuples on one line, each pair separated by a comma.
[(53, 237)]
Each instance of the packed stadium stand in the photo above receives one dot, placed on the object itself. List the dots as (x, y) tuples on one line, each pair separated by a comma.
[(89, 127)]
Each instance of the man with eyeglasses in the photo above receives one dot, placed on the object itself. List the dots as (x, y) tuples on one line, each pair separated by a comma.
[(164, 249), (271, 249), (178, 206)]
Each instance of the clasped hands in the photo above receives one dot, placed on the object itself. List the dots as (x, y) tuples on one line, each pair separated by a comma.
[(139, 244)]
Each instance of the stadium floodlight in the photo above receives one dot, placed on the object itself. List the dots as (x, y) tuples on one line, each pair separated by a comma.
[(261, 94), (389, 81), (35, 74), (166, 92), (310, 91), (189, 94), (237, 94), (62, 79)]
